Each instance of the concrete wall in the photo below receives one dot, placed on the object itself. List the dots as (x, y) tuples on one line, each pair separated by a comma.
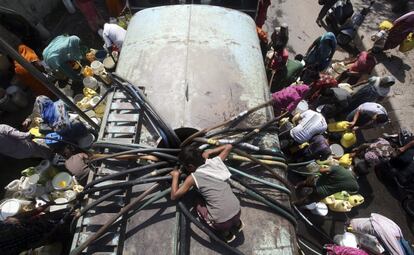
[(33, 10)]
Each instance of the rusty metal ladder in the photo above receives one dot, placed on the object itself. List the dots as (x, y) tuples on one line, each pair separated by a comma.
[(122, 123)]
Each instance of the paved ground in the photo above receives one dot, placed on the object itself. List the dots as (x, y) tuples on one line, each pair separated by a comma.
[(300, 16)]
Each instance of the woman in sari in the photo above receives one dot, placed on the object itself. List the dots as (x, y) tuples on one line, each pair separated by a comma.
[(400, 30), (320, 53), (53, 114), (25, 77)]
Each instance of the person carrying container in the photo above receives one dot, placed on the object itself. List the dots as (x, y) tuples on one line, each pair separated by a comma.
[(113, 36), (219, 207), (61, 55), (333, 179)]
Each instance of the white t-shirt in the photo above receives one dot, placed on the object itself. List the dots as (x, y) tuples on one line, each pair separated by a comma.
[(113, 35), (372, 109), (312, 123)]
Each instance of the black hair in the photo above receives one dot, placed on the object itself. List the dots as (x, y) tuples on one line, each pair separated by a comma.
[(381, 118), (191, 155), (299, 57)]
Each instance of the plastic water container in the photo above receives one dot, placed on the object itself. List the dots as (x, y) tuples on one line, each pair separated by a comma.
[(90, 82), (78, 97), (62, 181), (101, 55), (97, 67), (11, 207), (302, 106), (109, 63)]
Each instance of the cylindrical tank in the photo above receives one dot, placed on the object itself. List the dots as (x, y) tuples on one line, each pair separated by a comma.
[(199, 64)]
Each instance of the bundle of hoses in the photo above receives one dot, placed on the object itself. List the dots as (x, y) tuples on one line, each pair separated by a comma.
[(163, 167)]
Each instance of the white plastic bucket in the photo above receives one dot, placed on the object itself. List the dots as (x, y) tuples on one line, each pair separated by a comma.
[(62, 181), (13, 185), (78, 97), (97, 67), (11, 207), (302, 106), (337, 150), (90, 82), (109, 63)]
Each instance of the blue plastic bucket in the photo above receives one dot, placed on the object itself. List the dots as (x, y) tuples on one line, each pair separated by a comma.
[(100, 55)]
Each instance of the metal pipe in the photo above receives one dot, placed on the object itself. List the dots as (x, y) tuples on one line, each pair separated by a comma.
[(206, 230), (109, 223), (270, 184), (40, 77)]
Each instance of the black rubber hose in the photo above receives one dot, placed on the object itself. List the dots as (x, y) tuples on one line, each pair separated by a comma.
[(104, 228), (134, 151), (127, 184), (183, 250), (126, 172), (206, 230), (277, 203), (122, 146), (137, 95), (285, 214), (92, 205), (236, 130), (158, 152), (255, 131), (271, 170)]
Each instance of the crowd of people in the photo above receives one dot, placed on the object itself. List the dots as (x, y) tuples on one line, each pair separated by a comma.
[(342, 98)]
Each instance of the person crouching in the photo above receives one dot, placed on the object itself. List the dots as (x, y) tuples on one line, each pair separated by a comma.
[(219, 208)]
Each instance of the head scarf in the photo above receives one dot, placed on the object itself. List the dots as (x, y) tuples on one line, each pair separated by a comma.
[(321, 55)]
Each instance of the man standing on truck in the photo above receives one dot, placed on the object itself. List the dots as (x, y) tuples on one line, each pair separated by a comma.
[(219, 207)]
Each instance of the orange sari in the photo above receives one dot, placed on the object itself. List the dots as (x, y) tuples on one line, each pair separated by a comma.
[(25, 77)]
